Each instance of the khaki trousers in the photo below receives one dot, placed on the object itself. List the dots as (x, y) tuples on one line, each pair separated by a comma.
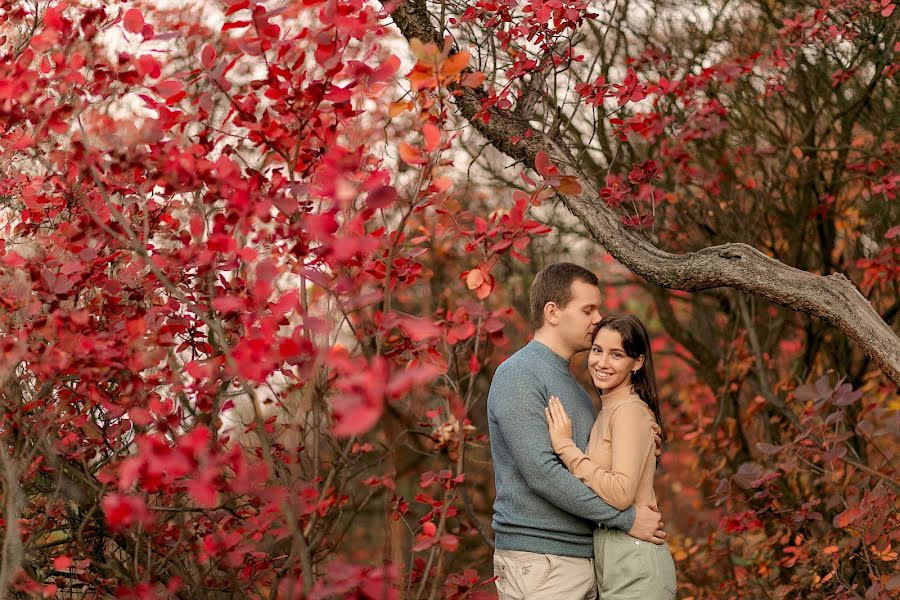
[(632, 569), (531, 576)]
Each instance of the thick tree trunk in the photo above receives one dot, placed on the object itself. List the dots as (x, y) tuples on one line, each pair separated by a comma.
[(833, 298)]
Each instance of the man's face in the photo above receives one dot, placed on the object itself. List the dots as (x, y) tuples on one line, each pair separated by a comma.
[(578, 320)]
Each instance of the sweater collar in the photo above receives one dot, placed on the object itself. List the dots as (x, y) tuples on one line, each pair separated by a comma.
[(549, 356)]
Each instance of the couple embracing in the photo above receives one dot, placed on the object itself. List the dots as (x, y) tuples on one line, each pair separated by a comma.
[(575, 513)]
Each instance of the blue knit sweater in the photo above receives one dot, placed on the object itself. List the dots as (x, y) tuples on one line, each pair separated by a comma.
[(540, 506)]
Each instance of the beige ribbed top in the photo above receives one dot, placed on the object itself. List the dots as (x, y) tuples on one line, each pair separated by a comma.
[(619, 464)]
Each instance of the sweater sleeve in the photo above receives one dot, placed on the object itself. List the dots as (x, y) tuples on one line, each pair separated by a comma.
[(632, 439), (518, 413)]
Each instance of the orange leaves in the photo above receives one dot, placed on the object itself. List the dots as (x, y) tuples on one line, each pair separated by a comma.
[(436, 68), (473, 80), (416, 157), (480, 281), (455, 64), (411, 156), (535, 198), (886, 553), (396, 108), (425, 53), (421, 78)]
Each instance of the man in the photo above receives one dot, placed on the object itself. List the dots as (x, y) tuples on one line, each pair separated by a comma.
[(544, 517)]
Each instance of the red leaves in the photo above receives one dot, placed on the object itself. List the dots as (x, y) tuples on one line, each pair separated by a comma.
[(326, 53), (133, 20), (741, 522), (381, 197), (884, 268), (147, 66), (234, 25), (361, 386), (203, 491), (224, 243), (644, 172), (593, 93), (885, 8), (121, 511), (449, 542), (235, 6), (261, 23), (615, 194), (170, 90), (418, 329), (321, 226), (848, 517), (432, 137), (225, 546), (638, 221), (208, 56), (543, 165), (630, 90)]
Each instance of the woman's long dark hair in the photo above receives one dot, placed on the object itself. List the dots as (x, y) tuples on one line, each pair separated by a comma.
[(635, 342)]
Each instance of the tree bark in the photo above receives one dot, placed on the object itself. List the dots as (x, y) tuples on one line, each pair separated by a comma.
[(833, 298)]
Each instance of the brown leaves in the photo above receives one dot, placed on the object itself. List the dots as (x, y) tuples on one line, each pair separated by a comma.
[(564, 184), (569, 186)]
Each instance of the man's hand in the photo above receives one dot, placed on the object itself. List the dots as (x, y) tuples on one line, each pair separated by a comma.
[(559, 423), (648, 525), (657, 440)]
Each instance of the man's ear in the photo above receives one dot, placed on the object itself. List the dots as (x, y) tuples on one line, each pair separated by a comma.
[(551, 313)]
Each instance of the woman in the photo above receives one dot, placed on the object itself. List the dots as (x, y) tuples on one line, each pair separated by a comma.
[(620, 463)]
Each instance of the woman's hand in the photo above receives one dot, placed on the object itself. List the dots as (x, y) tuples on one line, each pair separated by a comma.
[(559, 423)]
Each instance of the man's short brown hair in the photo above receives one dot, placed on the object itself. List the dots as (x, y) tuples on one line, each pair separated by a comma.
[(554, 284)]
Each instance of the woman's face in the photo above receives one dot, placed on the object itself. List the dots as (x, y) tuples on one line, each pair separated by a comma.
[(609, 366)]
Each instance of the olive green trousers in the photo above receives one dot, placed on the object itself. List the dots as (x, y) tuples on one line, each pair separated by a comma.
[(632, 569)]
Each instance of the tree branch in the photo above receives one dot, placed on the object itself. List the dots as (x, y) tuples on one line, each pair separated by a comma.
[(832, 298)]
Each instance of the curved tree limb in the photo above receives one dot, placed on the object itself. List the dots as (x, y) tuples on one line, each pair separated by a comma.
[(833, 298)]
